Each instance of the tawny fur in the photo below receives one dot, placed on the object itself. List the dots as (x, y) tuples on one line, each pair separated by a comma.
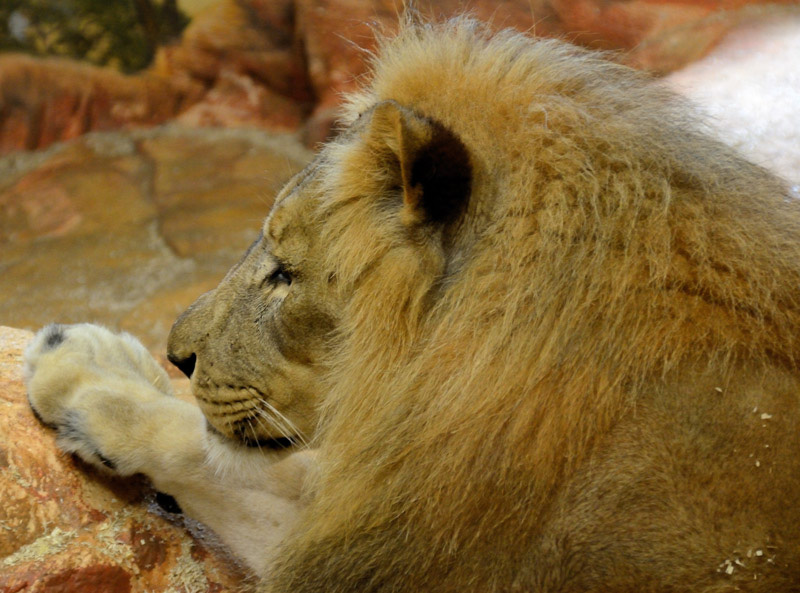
[(562, 393)]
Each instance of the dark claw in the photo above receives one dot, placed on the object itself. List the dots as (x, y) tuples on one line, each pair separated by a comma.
[(55, 336), (168, 503)]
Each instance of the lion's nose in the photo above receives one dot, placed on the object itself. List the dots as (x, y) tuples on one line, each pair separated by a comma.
[(185, 364), (187, 334)]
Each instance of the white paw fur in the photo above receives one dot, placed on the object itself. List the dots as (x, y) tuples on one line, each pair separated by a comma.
[(89, 383)]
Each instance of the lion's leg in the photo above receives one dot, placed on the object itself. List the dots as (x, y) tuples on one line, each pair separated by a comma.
[(113, 407), (248, 497)]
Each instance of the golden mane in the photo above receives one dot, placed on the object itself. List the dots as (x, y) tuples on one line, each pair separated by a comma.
[(610, 244)]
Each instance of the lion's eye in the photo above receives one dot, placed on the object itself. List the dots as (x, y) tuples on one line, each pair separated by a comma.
[(280, 276)]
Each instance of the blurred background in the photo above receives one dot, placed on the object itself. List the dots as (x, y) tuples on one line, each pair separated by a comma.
[(142, 141)]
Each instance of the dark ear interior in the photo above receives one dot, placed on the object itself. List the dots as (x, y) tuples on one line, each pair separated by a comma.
[(442, 170), (434, 165)]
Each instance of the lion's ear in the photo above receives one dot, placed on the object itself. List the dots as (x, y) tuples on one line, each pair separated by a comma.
[(433, 165)]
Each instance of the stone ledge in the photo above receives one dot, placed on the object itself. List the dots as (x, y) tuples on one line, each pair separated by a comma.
[(127, 228), (64, 528)]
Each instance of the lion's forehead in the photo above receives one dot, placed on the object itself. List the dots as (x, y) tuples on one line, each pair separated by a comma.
[(295, 204), (287, 232)]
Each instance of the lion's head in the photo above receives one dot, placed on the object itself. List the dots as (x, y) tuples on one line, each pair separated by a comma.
[(503, 272), (361, 217), (255, 346)]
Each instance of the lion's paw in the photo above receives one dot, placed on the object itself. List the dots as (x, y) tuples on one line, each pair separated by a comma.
[(91, 385)]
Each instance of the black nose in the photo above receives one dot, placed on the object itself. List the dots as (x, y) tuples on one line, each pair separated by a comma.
[(186, 365)]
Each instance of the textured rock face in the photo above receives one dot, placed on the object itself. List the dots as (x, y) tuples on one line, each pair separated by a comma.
[(65, 529), (251, 57), (46, 100), (127, 229), (282, 64)]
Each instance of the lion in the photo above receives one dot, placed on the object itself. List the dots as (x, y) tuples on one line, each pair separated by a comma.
[(524, 325)]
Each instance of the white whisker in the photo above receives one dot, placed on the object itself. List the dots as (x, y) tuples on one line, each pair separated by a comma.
[(275, 419), (263, 421), (281, 422), (253, 430)]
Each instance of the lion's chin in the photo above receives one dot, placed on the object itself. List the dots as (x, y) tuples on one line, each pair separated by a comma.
[(278, 443)]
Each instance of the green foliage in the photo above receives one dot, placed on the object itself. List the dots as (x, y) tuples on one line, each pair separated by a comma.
[(119, 33)]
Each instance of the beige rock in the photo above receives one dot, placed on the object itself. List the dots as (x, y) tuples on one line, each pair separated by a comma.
[(127, 229), (64, 528)]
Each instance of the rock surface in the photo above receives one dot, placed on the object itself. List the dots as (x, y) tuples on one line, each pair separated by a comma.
[(49, 100), (127, 229), (66, 529), (283, 64), (749, 88)]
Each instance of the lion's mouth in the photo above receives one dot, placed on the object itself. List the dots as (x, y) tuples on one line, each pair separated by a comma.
[(241, 435), (272, 444)]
